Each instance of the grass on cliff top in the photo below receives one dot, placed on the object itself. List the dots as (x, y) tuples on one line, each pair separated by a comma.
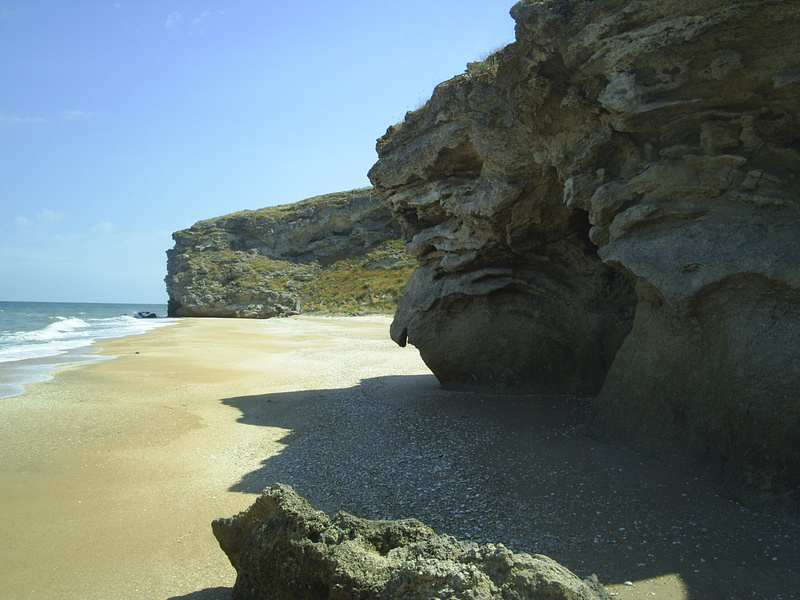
[(486, 60), (281, 211)]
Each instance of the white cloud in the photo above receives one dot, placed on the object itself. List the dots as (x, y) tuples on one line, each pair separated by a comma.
[(173, 19), (104, 227), (205, 14), (17, 120), (68, 115), (49, 216), (199, 18), (197, 25), (45, 217), (69, 238)]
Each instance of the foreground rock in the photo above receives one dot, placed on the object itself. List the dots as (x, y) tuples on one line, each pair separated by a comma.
[(282, 548), (612, 203), (334, 253)]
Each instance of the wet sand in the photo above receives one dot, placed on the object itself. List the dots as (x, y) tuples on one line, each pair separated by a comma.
[(111, 472)]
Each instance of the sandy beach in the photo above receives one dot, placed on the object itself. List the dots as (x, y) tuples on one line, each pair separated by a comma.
[(112, 471)]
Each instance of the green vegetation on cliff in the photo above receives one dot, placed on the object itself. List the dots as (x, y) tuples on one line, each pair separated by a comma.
[(373, 283), (339, 253)]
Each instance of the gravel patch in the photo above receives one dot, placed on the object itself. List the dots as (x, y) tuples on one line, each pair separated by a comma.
[(516, 470)]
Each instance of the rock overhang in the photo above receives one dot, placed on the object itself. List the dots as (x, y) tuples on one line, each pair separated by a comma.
[(622, 173)]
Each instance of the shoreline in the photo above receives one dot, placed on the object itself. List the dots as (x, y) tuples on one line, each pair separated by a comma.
[(18, 375), (39, 337), (112, 471)]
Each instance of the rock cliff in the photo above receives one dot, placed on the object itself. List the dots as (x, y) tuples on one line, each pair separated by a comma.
[(334, 253), (612, 204), (282, 549)]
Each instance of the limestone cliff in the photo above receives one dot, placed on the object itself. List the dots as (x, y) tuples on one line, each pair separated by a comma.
[(612, 203), (333, 253)]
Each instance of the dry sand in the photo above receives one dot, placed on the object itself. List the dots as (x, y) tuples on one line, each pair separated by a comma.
[(111, 472)]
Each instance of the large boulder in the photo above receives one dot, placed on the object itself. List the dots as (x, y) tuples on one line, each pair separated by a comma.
[(283, 549), (612, 203)]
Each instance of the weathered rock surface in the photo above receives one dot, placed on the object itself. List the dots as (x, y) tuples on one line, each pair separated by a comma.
[(613, 204), (282, 548), (285, 259)]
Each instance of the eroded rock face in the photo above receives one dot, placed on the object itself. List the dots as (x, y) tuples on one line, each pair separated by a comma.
[(621, 158), (265, 263), (282, 548)]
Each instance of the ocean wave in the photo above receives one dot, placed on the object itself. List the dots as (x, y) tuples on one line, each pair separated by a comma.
[(41, 350), (69, 333), (63, 328)]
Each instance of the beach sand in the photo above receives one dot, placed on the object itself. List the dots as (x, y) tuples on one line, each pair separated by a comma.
[(111, 472)]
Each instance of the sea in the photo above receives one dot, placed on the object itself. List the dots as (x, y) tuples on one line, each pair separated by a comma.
[(35, 337)]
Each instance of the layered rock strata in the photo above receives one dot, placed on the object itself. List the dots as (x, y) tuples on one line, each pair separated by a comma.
[(282, 548), (336, 253), (612, 204)]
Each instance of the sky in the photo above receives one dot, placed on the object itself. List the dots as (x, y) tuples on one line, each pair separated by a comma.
[(124, 121)]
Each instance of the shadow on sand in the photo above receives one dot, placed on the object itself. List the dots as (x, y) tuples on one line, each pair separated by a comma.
[(518, 470), (217, 593)]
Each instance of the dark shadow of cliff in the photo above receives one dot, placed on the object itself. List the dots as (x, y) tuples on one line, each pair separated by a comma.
[(217, 593), (518, 470)]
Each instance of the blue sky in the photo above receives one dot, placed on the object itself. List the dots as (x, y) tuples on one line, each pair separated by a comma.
[(123, 121)]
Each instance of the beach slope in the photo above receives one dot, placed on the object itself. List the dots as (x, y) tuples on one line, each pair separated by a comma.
[(111, 472)]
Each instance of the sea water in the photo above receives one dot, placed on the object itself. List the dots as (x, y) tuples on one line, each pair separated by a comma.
[(37, 336)]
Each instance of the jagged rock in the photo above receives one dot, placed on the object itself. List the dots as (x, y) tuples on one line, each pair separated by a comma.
[(268, 262), (283, 549), (613, 204)]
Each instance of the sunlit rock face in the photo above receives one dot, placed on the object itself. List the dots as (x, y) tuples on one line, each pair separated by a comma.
[(611, 204), (334, 253)]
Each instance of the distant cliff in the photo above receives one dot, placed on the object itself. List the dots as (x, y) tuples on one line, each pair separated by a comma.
[(334, 253), (612, 203)]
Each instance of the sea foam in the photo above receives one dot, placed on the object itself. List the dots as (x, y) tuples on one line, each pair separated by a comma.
[(69, 333), (36, 337)]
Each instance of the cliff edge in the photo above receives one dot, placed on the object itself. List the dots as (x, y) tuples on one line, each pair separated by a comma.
[(334, 253), (611, 205)]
